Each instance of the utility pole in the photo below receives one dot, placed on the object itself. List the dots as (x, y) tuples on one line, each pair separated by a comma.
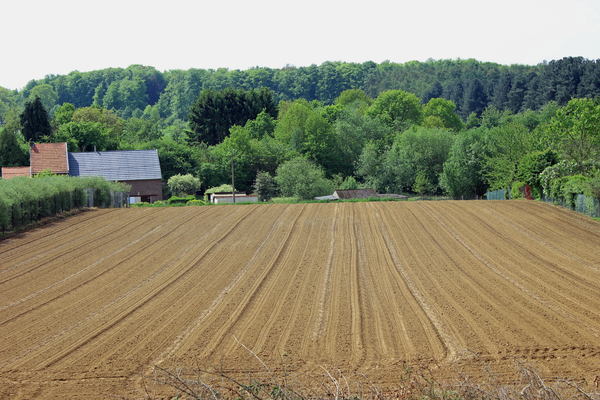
[(232, 177)]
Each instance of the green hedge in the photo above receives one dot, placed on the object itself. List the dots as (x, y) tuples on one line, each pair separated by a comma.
[(29, 198), (180, 200)]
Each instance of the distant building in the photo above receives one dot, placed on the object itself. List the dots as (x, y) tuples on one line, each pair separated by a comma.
[(48, 156), (223, 198), (357, 194), (13, 172), (42, 157), (138, 168)]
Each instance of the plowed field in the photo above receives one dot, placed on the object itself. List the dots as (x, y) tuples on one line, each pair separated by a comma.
[(89, 303)]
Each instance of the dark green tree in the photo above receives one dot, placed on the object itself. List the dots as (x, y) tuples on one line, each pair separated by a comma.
[(34, 121), (214, 112), (11, 153)]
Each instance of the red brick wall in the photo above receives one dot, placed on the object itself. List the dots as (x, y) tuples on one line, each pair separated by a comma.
[(146, 188)]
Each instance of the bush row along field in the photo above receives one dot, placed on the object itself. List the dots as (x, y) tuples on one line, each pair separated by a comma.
[(92, 304)]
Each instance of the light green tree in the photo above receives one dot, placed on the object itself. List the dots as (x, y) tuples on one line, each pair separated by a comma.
[(444, 111), (46, 94), (183, 185), (303, 179), (397, 106), (575, 130), (422, 183)]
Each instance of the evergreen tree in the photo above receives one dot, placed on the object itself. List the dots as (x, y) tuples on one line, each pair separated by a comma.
[(34, 121)]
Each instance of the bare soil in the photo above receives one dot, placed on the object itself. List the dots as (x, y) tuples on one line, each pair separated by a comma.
[(90, 304)]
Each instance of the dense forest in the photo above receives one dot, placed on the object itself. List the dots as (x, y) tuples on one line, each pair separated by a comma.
[(457, 127)]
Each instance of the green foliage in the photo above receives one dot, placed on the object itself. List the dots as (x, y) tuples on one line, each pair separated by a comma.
[(182, 185), (64, 114), (174, 157), (355, 99), (265, 186), (225, 188), (422, 183), (444, 111), (517, 190), (353, 132), (303, 179), (196, 203), (41, 195), (175, 200), (46, 94), (533, 164), (138, 130), (292, 118), (397, 106), (462, 173), (593, 186), (44, 174), (141, 204), (11, 153), (85, 136), (215, 112), (34, 121), (573, 186), (416, 149), (262, 126), (473, 121), (562, 169), (575, 130), (349, 184), (507, 145)]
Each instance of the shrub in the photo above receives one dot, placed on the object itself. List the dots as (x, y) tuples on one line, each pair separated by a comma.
[(265, 186), (302, 178), (225, 188), (195, 203), (565, 168), (533, 164), (349, 184), (593, 186), (182, 185), (573, 186), (180, 200), (141, 204), (518, 190)]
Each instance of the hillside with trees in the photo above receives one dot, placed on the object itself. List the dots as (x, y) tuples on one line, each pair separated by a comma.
[(455, 127)]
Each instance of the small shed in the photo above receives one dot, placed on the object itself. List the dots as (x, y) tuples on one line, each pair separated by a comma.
[(357, 194), (13, 172), (138, 168), (223, 198)]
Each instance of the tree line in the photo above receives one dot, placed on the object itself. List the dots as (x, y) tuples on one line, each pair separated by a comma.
[(396, 141), (144, 92)]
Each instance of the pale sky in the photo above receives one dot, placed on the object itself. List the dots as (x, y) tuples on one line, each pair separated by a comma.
[(59, 36)]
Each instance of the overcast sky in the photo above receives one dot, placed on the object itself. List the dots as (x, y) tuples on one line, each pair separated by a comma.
[(57, 37)]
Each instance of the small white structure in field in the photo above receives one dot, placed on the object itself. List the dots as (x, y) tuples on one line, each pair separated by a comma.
[(222, 198)]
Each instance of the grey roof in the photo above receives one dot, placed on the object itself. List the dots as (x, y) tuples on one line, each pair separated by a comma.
[(355, 193), (124, 165), (330, 197)]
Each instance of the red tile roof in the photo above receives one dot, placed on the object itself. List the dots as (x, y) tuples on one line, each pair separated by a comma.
[(49, 155), (12, 172)]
